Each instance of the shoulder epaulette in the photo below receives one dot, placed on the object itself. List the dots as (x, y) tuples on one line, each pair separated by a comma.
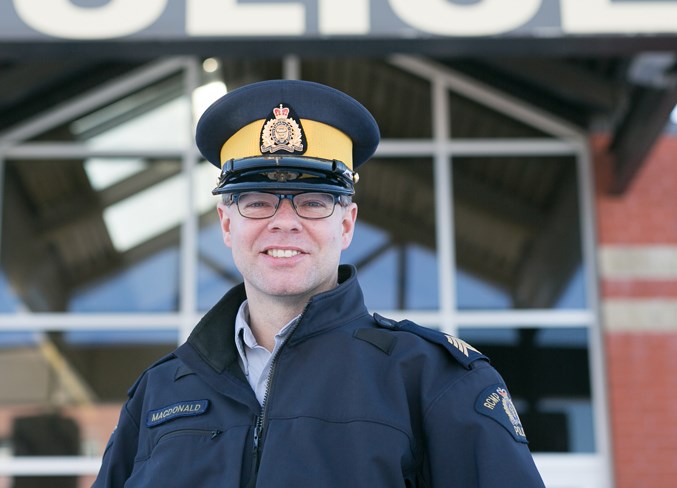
[(463, 352), (164, 359)]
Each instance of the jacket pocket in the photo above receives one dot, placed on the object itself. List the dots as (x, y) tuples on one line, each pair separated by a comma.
[(165, 465), (211, 434)]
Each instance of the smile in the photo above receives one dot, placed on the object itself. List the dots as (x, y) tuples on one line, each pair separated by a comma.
[(282, 253)]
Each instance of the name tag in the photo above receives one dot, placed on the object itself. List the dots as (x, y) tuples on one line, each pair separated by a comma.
[(181, 409)]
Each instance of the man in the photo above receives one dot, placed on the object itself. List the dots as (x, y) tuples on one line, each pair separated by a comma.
[(288, 381)]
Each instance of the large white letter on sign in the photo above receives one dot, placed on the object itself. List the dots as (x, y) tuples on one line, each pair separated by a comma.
[(227, 18), (61, 18), (606, 16), (483, 18), (343, 17)]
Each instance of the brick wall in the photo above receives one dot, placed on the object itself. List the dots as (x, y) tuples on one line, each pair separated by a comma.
[(637, 235)]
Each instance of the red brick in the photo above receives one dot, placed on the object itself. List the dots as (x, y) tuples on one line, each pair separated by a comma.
[(643, 404), (639, 288), (645, 213)]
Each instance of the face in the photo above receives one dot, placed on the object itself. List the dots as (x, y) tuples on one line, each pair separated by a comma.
[(286, 256)]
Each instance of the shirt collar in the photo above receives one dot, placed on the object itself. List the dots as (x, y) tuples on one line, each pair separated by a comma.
[(213, 338), (243, 333), (244, 337)]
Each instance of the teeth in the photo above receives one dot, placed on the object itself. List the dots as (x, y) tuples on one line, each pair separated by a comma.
[(282, 253)]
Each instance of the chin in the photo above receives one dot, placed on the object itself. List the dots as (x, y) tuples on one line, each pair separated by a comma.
[(295, 291)]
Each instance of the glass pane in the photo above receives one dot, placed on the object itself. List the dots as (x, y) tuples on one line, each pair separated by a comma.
[(548, 373), (394, 247), (399, 101), (93, 235), (473, 120), (61, 392), (219, 76), (216, 272), (157, 116), (517, 233), (9, 302)]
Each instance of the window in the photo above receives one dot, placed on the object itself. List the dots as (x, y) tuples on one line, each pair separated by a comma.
[(473, 220)]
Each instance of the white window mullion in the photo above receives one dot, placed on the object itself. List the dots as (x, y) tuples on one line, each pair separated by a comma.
[(49, 466), (190, 227), (444, 216), (596, 356), (291, 67)]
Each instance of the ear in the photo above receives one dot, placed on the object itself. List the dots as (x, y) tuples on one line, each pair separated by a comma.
[(224, 218), (348, 225)]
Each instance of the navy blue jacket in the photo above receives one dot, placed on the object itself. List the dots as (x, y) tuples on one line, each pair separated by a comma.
[(354, 400)]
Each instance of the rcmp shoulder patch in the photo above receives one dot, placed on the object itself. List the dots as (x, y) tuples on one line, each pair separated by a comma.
[(463, 352), (495, 402)]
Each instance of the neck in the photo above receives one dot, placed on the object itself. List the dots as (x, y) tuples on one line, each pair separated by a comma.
[(267, 315)]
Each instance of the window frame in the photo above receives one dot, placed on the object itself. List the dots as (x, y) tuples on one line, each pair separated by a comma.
[(580, 470)]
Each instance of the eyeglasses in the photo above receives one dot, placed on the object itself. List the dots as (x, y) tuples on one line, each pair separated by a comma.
[(260, 205)]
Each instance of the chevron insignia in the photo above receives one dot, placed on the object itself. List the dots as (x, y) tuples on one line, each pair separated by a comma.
[(461, 345)]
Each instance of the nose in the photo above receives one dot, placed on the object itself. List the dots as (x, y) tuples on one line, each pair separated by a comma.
[(285, 218)]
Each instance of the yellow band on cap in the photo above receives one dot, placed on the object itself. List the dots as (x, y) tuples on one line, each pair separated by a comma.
[(324, 141)]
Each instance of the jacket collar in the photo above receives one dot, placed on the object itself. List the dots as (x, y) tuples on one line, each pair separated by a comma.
[(213, 337)]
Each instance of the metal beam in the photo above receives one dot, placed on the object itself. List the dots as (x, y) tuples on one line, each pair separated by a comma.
[(565, 80), (635, 136), (18, 81)]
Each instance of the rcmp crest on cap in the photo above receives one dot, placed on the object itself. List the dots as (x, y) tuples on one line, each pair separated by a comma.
[(282, 131)]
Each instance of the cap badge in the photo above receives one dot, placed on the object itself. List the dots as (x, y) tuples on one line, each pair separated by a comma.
[(282, 176), (282, 131)]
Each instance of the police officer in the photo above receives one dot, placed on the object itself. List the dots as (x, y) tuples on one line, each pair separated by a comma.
[(288, 381)]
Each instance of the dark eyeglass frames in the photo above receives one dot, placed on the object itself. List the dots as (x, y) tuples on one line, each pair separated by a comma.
[(261, 205)]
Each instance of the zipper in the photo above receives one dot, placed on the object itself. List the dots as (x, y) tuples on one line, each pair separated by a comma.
[(261, 419), (213, 434)]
